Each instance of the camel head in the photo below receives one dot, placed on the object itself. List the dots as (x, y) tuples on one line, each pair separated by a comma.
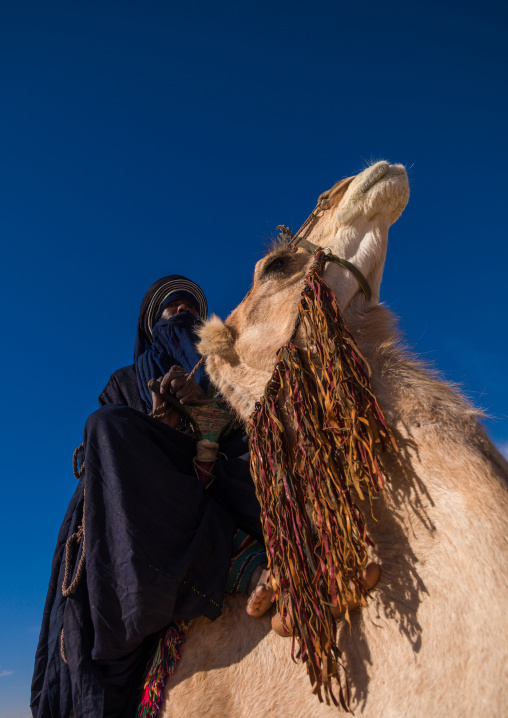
[(352, 219)]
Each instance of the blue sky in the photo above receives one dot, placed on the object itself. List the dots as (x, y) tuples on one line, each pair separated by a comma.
[(140, 139)]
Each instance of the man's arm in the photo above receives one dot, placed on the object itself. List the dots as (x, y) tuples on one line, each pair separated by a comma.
[(122, 388)]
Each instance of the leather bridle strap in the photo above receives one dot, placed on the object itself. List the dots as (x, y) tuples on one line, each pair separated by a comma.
[(297, 242)]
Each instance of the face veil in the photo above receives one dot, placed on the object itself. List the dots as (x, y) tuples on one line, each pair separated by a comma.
[(162, 343)]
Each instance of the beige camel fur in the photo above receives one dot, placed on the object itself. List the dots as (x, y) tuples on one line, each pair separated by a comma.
[(433, 640)]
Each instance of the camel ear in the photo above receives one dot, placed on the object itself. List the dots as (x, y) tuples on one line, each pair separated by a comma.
[(215, 338), (332, 197)]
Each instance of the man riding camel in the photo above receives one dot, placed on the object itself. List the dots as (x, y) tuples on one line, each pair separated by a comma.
[(155, 540)]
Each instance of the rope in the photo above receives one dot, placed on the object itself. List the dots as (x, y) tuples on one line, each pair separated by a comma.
[(308, 224), (198, 365), (78, 537), (77, 470), (62, 647)]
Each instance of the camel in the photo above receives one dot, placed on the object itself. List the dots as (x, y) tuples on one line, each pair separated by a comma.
[(432, 640)]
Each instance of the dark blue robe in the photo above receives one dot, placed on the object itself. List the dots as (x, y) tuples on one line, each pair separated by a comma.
[(158, 548)]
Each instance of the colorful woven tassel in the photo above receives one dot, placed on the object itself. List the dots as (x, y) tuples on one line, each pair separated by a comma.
[(314, 441), (162, 665)]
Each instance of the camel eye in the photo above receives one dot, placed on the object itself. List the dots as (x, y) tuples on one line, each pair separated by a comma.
[(279, 265)]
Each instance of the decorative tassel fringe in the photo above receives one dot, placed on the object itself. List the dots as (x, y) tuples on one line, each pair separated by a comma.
[(314, 439), (161, 667)]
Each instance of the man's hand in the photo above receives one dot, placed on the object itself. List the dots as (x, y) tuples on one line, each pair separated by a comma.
[(175, 381), (187, 392), (172, 415)]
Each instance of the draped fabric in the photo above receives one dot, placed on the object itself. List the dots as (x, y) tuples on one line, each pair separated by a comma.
[(158, 548), (122, 388), (173, 342)]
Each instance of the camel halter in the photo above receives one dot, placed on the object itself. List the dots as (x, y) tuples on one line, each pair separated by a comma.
[(297, 241)]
